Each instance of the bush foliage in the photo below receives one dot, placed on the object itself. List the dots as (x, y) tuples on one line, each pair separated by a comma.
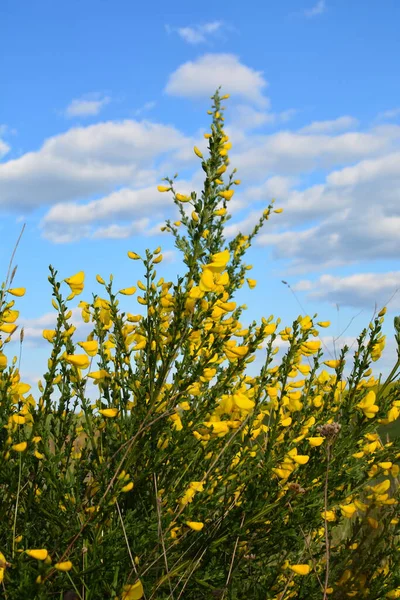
[(188, 478)]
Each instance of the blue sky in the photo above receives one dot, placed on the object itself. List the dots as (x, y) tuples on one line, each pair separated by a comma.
[(100, 100)]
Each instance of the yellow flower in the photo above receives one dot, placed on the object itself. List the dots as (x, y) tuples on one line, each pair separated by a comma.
[(195, 525), (78, 360), (220, 212), (76, 282), (315, 441), (17, 291), (251, 283), (21, 447), (323, 323), (300, 569), (301, 459), (328, 515), (90, 347), (38, 554), (183, 198), (348, 510), (133, 255), (63, 566), (197, 152), (382, 487), (161, 188), (368, 406), (3, 564), (109, 413), (128, 487), (48, 334), (98, 374), (8, 328), (278, 210), (133, 592), (227, 194), (333, 364), (128, 291)]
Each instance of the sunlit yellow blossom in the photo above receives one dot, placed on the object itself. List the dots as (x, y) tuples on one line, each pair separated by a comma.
[(133, 592), (162, 188), (329, 515), (128, 487), (90, 347), (109, 413), (197, 152), (21, 447), (315, 441), (333, 364), (49, 334), (348, 510), (78, 360), (38, 554), (300, 569), (63, 566), (195, 525), (128, 291), (227, 194), (17, 291), (183, 198), (133, 255)]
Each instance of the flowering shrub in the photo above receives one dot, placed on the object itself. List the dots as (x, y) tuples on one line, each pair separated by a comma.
[(214, 484)]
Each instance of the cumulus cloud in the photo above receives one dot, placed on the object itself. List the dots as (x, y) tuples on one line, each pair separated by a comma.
[(85, 161), (197, 34), (363, 290), (332, 126), (4, 148), (89, 105), (200, 78)]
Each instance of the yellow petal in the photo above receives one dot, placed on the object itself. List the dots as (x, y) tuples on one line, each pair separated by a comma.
[(76, 280), (38, 554), (17, 291), (300, 569), (21, 447), (78, 360), (109, 413), (133, 592), (63, 566), (90, 347), (197, 152), (195, 525)]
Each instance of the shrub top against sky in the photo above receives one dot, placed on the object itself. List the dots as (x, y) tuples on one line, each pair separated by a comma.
[(100, 101)]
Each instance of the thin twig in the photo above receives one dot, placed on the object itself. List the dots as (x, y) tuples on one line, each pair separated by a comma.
[(328, 456), (160, 533), (127, 544), (232, 560)]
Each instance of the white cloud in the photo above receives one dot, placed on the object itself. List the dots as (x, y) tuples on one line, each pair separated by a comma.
[(145, 108), (4, 148), (339, 124), (197, 34), (247, 117), (85, 161), (33, 327), (389, 114), (317, 9), (200, 78), (287, 152), (88, 106), (357, 290)]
